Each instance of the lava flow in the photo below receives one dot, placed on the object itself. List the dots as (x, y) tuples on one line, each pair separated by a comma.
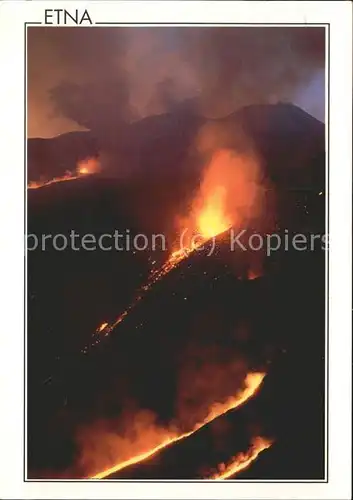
[(242, 461), (39, 184), (175, 258), (207, 219), (84, 167), (252, 384)]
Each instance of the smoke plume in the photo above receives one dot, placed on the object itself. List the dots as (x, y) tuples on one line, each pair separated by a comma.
[(103, 78)]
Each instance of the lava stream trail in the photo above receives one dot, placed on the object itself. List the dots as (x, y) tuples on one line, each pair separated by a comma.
[(175, 258), (252, 384), (242, 461), (64, 178), (84, 167), (155, 276)]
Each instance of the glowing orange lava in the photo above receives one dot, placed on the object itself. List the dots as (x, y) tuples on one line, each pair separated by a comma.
[(84, 167), (253, 275), (102, 327), (207, 220), (39, 184), (88, 166), (212, 219), (228, 190), (252, 384), (242, 460)]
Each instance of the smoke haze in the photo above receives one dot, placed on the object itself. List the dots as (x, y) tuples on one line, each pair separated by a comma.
[(102, 78)]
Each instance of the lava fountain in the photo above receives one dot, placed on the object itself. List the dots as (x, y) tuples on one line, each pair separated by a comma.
[(229, 194)]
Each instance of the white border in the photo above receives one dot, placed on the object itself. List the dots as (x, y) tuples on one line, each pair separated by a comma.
[(12, 18)]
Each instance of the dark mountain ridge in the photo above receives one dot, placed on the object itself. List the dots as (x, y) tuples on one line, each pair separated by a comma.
[(285, 135)]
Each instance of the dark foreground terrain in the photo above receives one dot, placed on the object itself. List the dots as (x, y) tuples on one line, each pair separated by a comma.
[(197, 332)]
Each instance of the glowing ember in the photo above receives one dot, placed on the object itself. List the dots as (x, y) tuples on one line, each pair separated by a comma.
[(102, 327), (253, 275), (252, 384), (243, 460)]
